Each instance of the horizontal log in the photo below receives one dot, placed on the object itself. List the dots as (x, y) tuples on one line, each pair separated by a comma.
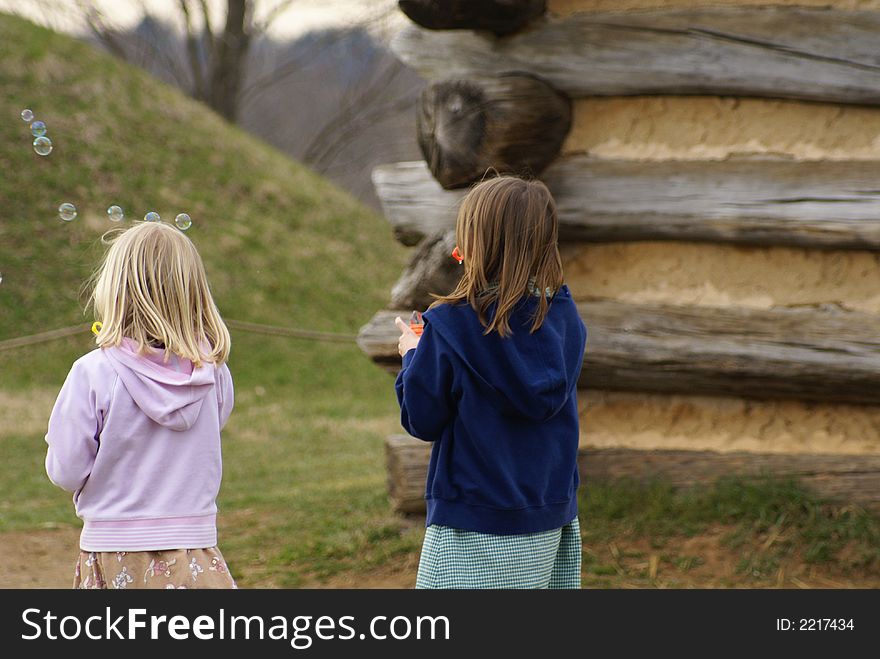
[(783, 52), (828, 204), (510, 123), (498, 16), (406, 460), (431, 270), (825, 355), (840, 477)]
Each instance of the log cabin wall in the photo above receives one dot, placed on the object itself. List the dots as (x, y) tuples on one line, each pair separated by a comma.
[(659, 128), (804, 265)]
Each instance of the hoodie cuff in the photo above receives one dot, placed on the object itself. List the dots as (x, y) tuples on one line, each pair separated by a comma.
[(408, 357)]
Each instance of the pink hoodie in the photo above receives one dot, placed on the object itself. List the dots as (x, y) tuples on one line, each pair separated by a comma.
[(138, 443)]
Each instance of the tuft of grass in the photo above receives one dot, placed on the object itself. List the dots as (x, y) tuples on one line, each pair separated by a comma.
[(769, 520)]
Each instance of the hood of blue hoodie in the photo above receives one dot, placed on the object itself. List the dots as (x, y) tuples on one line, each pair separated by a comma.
[(530, 374), (170, 393)]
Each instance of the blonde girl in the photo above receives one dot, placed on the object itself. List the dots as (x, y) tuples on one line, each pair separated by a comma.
[(135, 431)]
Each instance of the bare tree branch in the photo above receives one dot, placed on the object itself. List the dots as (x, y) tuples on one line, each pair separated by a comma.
[(280, 72), (343, 137), (272, 15), (98, 27), (350, 108), (206, 18), (192, 48)]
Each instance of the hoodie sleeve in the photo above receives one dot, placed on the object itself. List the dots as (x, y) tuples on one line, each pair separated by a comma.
[(225, 394), (424, 388), (75, 427)]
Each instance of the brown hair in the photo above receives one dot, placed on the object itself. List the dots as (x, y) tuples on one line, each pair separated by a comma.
[(507, 235)]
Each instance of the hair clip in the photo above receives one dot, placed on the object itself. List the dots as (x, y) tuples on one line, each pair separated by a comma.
[(457, 255), (96, 327)]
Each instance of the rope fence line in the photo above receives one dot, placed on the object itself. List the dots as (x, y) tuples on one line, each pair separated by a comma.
[(244, 326), (293, 332), (42, 337)]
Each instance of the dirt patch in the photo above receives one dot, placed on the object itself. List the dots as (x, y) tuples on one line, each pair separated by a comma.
[(39, 559), (45, 559), (701, 561), (401, 575), (25, 413)]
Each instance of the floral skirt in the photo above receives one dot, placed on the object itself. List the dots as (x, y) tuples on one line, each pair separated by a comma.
[(172, 568)]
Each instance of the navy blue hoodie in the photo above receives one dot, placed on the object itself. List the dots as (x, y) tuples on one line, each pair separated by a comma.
[(502, 413)]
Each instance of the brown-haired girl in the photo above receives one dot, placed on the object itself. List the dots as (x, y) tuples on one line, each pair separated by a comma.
[(492, 383)]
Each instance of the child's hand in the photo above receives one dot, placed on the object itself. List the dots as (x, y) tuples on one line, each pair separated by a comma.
[(408, 339)]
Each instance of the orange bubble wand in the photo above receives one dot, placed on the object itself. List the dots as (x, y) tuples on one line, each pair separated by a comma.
[(417, 323)]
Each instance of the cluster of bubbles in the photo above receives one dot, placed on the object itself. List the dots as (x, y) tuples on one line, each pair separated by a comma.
[(42, 143), (183, 221), (67, 212)]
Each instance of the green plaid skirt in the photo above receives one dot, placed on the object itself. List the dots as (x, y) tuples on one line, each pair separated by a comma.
[(452, 558)]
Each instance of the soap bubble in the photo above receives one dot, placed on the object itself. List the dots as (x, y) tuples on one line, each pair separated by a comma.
[(43, 145), (38, 129), (115, 214), (152, 216), (67, 211), (27, 115), (1, 277), (183, 221)]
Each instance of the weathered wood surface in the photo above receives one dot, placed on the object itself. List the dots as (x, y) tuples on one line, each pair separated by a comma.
[(498, 16), (828, 204), (786, 52), (431, 270), (414, 202), (511, 123), (851, 478), (808, 354), (406, 460)]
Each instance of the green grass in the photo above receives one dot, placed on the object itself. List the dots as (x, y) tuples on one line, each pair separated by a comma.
[(767, 521)]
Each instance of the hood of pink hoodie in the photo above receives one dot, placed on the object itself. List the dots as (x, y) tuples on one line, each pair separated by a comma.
[(171, 393)]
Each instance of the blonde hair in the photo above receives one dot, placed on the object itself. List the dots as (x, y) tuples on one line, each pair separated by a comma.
[(507, 235), (152, 288)]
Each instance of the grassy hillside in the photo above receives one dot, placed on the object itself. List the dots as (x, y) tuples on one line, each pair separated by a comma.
[(281, 245)]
